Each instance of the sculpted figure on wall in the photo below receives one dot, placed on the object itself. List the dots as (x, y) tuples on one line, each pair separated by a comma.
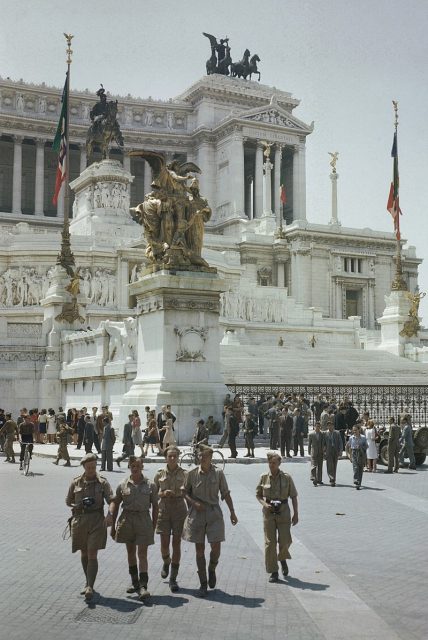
[(23, 287), (122, 339), (235, 305), (173, 215)]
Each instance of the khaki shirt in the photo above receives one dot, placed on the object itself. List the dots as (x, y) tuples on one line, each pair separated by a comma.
[(206, 486), (136, 497), (80, 488), (279, 487), (9, 428), (172, 480)]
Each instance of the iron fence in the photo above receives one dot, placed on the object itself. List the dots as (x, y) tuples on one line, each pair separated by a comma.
[(381, 401)]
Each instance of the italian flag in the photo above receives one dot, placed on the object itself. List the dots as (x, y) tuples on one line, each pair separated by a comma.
[(60, 144)]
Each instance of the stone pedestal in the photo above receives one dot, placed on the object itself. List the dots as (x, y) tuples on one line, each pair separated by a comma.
[(396, 313), (178, 353), (334, 220), (101, 205)]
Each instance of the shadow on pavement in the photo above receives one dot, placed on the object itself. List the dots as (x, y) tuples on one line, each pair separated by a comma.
[(300, 584), (117, 604), (233, 599), (173, 602)]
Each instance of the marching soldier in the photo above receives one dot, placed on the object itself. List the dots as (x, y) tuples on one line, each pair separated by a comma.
[(273, 492), (205, 518), (250, 430), (135, 526), (10, 430), (170, 482), (86, 497), (62, 439), (316, 451)]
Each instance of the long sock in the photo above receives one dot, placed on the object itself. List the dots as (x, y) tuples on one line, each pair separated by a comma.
[(144, 579), (202, 569), (213, 561), (174, 571), (133, 572), (84, 561), (92, 572)]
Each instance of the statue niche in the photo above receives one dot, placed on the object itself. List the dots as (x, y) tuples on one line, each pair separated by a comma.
[(173, 215)]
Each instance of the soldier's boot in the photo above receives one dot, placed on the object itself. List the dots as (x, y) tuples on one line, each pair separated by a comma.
[(202, 573), (56, 461), (212, 578), (133, 572), (252, 453), (173, 578), (144, 580), (165, 568), (67, 464), (284, 567)]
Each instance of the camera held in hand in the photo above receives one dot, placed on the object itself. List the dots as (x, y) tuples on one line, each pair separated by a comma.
[(275, 506), (88, 502)]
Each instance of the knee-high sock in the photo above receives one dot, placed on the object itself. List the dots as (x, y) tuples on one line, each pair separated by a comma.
[(92, 572)]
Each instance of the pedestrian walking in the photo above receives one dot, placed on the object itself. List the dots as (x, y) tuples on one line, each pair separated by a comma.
[(135, 527), (51, 428), (393, 449), (286, 431), (333, 451), (88, 434), (357, 447), (316, 451), (273, 492), (250, 430), (298, 432), (9, 430), (170, 483), (168, 434), (62, 438), (407, 447), (86, 497), (233, 432), (107, 444), (127, 442), (205, 518), (372, 453)]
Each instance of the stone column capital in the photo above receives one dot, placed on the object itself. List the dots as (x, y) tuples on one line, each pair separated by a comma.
[(17, 138), (40, 142)]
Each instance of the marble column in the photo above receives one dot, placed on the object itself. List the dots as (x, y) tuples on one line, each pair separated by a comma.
[(39, 192), (17, 175), (83, 158), (277, 183), (299, 182), (127, 163), (237, 186), (258, 182), (267, 188), (334, 218), (207, 179), (280, 274)]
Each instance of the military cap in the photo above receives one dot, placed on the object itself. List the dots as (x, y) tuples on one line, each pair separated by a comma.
[(90, 457), (204, 448)]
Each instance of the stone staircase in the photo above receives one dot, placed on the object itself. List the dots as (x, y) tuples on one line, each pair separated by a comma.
[(332, 365)]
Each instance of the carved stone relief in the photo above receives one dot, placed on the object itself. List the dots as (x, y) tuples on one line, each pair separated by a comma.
[(191, 343)]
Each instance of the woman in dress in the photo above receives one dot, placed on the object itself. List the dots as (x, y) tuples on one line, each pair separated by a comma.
[(169, 436), (137, 436), (43, 419), (51, 429), (372, 453), (152, 437)]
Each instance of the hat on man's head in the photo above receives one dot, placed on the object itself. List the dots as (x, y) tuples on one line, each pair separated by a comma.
[(90, 457), (204, 448)]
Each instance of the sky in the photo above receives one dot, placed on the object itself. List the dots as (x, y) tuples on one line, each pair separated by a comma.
[(346, 60)]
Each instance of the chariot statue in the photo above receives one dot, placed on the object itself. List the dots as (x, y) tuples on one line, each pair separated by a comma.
[(173, 215), (221, 60), (105, 128)]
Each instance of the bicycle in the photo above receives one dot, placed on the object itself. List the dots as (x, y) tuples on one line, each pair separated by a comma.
[(191, 458), (27, 458)]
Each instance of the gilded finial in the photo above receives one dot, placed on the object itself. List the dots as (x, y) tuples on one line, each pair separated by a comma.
[(69, 50), (395, 103), (334, 156)]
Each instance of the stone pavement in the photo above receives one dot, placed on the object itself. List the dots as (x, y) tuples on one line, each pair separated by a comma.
[(360, 575)]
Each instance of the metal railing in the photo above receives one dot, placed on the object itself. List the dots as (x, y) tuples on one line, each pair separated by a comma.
[(381, 401)]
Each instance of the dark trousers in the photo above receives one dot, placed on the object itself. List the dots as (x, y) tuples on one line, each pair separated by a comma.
[(97, 442), (285, 442), (331, 461), (298, 444), (249, 442), (88, 446), (316, 468), (393, 456), (358, 462), (107, 459), (128, 450), (79, 438), (232, 445), (274, 437), (23, 445)]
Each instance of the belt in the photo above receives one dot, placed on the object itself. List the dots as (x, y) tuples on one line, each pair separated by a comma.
[(282, 501)]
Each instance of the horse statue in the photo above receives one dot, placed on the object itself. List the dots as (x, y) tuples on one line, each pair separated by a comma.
[(220, 55), (253, 65), (241, 69), (212, 63), (105, 128)]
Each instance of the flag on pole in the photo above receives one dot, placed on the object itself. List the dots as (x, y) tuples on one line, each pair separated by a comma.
[(282, 195), (60, 145), (393, 204)]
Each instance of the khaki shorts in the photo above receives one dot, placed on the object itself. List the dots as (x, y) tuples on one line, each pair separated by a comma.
[(209, 523), (172, 513), (135, 528), (88, 531)]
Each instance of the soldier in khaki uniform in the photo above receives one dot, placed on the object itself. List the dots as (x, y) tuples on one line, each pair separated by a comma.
[(273, 492), (62, 438), (172, 512), (10, 430), (86, 497), (135, 527), (393, 446), (205, 517)]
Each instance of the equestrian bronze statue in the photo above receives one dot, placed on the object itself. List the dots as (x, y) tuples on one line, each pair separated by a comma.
[(105, 128), (221, 61)]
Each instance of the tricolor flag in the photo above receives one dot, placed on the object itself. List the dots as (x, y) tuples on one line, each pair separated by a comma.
[(60, 145), (393, 205), (282, 195)]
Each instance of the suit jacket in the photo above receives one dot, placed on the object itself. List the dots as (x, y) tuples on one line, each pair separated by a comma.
[(316, 444), (333, 443)]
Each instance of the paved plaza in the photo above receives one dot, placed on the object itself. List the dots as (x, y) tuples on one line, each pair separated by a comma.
[(358, 570)]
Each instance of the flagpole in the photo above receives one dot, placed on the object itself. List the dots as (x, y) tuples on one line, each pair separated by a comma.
[(66, 257), (398, 284)]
